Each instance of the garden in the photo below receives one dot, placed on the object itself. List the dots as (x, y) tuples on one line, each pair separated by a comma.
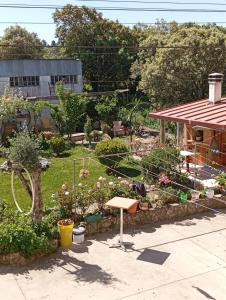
[(48, 182)]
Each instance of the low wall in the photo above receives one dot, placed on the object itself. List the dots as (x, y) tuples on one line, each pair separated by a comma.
[(18, 259), (168, 213)]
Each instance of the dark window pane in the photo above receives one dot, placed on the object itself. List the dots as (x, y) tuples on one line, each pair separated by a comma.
[(16, 82), (11, 81)]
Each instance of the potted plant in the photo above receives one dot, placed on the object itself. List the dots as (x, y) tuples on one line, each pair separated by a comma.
[(65, 228), (209, 193), (144, 204), (195, 195), (221, 180)]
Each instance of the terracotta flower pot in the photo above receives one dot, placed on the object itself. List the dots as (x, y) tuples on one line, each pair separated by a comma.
[(132, 209)]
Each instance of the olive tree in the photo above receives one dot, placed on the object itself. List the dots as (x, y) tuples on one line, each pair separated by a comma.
[(24, 153)]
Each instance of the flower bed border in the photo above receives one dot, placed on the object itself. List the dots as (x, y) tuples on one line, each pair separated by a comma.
[(167, 213), (17, 259)]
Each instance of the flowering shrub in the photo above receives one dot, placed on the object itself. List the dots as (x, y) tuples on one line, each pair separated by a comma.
[(87, 198)]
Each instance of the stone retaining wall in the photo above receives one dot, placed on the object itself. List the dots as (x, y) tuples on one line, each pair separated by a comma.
[(167, 213), (18, 259)]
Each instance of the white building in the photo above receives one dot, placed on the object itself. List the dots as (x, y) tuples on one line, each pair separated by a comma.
[(37, 77)]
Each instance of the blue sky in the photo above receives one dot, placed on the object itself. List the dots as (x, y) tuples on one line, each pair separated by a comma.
[(45, 15)]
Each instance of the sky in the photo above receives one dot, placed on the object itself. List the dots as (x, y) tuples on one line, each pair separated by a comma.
[(47, 31)]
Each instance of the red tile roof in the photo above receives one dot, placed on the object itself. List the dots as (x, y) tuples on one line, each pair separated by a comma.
[(196, 113)]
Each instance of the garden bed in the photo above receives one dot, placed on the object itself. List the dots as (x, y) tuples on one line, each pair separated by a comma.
[(167, 213)]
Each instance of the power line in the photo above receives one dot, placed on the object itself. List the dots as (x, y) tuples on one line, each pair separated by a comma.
[(135, 9), (158, 2), (124, 23), (150, 47)]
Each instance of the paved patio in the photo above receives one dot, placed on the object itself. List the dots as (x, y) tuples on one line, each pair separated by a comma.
[(181, 260)]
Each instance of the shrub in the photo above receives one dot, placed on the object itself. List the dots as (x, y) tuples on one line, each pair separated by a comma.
[(18, 233), (97, 135), (115, 146), (22, 238), (169, 195), (160, 161), (58, 145)]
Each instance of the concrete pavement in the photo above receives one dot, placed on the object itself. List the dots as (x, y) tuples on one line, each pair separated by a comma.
[(181, 260)]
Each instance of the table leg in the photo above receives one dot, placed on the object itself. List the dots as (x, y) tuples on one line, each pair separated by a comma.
[(120, 243), (121, 226), (187, 164)]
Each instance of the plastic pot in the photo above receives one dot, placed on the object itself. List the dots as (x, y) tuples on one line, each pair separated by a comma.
[(93, 218), (183, 198)]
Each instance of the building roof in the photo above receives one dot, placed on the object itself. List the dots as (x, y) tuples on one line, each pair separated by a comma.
[(199, 113), (39, 67)]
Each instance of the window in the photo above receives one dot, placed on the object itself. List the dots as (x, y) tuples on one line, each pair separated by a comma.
[(64, 78), (24, 81)]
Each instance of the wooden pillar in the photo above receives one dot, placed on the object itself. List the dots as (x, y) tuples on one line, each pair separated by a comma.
[(162, 132), (178, 133), (185, 139)]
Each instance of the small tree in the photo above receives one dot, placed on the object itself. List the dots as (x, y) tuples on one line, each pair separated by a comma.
[(108, 108), (24, 152), (88, 130), (37, 109), (71, 109)]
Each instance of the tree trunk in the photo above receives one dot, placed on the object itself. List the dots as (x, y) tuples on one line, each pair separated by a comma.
[(37, 212), (24, 182)]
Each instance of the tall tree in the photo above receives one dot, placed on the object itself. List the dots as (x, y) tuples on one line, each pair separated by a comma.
[(18, 43), (105, 56), (175, 66)]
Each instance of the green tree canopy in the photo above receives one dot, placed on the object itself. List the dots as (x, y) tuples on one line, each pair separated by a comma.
[(18, 43), (178, 72), (86, 27)]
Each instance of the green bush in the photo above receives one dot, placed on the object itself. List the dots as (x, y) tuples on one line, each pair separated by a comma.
[(115, 146), (19, 234), (22, 238), (160, 160), (58, 145)]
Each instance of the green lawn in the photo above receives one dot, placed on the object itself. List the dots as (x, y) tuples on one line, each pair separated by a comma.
[(60, 171)]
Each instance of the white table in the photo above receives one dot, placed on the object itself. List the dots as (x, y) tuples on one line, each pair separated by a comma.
[(121, 203), (187, 155)]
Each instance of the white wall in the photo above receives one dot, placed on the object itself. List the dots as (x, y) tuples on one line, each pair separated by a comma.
[(38, 91)]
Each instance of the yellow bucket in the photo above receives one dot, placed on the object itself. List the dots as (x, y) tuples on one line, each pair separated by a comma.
[(65, 235)]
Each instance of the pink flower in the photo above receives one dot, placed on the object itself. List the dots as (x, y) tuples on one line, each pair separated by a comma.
[(164, 179)]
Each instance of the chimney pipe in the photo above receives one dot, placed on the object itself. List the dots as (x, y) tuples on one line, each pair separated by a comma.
[(215, 87)]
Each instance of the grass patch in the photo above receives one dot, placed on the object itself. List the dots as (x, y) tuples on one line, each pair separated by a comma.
[(60, 171)]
